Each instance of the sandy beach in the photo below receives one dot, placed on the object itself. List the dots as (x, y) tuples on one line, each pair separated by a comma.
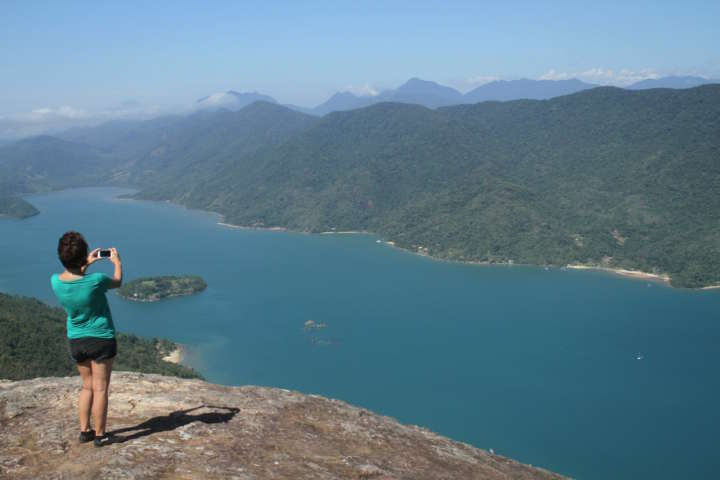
[(176, 355), (625, 273), (244, 227)]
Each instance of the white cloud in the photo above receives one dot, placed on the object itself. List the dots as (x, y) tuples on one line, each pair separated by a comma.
[(217, 99), (54, 119), (364, 90), (553, 74), (40, 115), (604, 76), (62, 112)]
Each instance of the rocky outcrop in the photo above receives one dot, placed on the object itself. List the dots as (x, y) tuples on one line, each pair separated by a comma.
[(167, 427)]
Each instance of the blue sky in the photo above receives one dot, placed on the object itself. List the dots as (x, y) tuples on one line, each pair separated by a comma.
[(94, 55)]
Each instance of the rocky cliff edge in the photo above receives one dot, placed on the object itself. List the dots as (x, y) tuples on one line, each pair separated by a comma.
[(167, 427)]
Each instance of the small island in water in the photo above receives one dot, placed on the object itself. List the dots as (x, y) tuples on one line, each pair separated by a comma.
[(16, 207), (152, 289)]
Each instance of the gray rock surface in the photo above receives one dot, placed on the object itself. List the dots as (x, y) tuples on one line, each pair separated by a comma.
[(168, 427)]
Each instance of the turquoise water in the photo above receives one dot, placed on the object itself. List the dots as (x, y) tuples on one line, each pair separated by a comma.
[(538, 365)]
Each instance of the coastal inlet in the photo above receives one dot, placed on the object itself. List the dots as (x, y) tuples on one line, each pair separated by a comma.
[(152, 289)]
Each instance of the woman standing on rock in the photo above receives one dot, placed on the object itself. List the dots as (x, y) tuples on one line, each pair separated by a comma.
[(90, 329)]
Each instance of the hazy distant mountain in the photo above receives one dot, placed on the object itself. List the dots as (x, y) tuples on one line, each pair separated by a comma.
[(297, 108), (343, 101), (503, 90), (415, 91), (433, 95), (417, 86), (44, 162), (672, 82), (422, 92), (232, 100), (128, 136)]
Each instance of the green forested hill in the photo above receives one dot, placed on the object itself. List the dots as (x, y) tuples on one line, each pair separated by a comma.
[(33, 343), (169, 151), (605, 176)]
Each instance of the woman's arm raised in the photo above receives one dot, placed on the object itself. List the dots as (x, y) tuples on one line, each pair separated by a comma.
[(116, 280)]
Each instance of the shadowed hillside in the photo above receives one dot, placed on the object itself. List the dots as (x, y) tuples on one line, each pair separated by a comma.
[(33, 343)]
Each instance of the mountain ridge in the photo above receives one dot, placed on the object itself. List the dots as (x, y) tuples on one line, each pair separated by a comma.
[(432, 94), (548, 182), (676, 82), (313, 199)]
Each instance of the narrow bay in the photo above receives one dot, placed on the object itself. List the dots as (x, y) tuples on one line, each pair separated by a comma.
[(540, 365)]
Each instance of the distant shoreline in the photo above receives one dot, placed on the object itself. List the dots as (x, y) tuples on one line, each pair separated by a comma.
[(422, 252), (638, 274)]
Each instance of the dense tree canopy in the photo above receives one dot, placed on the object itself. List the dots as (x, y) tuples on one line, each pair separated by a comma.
[(33, 343)]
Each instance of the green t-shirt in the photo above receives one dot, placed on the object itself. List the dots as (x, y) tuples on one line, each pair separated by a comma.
[(87, 308)]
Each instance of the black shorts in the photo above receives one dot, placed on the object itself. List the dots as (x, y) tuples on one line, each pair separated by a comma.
[(92, 348)]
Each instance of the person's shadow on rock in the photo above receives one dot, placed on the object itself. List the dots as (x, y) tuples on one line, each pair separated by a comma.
[(176, 419)]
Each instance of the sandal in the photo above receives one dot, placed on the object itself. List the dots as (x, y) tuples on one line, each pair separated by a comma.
[(88, 436), (103, 440)]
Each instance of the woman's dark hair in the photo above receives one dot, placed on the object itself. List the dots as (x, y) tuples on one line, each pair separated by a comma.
[(72, 250)]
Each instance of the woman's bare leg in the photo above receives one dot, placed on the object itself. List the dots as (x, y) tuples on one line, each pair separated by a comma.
[(101, 371), (86, 395)]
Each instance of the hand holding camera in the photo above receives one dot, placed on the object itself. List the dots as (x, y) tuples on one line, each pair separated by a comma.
[(113, 255), (100, 253)]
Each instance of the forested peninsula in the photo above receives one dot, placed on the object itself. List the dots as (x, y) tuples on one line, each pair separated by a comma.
[(607, 177), (33, 343)]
